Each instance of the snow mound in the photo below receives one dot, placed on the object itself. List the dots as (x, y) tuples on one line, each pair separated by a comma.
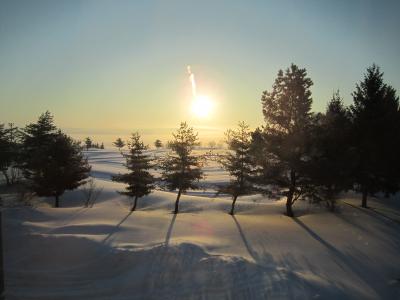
[(84, 269)]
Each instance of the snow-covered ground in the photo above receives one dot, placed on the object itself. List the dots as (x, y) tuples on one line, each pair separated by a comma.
[(106, 252)]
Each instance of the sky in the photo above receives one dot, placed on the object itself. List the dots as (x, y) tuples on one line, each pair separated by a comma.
[(107, 68)]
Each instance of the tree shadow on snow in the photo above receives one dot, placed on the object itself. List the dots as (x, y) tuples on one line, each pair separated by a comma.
[(359, 265), (116, 228), (246, 243), (390, 237), (170, 228), (281, 277)]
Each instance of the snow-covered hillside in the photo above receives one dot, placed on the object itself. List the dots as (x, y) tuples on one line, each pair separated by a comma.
[(107, 252)]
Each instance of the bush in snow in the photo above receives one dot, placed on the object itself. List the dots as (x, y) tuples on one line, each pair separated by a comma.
[(91, 192)]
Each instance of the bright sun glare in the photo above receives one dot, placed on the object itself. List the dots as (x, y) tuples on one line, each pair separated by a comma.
[(202, 106)]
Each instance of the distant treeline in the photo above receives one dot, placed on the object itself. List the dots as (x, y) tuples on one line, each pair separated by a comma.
[(297, 153), (90, 144)]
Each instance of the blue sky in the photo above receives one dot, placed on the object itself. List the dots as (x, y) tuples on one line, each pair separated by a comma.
[(121, 65)]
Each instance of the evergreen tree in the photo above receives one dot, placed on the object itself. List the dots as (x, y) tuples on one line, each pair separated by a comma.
[(238, 163), (257, 148), (9, 152), (119, 143), (139, 180), (53, 162), (65, 169), (14, 137), (35, 141), (88, 143), (287, 115), (158, 144), (331, 157), (181, 168), (6, 155), (102, 146), (375, 115)]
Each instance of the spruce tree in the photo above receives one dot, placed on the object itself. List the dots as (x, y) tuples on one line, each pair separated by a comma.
[(52, 161), (65, 169), (88, 143), (35, 141), (238, 163), (139, 180), (332, 157), (119, 143), (287, 113), (181, 169), (375, 116)]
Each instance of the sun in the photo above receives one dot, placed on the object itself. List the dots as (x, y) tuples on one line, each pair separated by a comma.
[(202, 106)]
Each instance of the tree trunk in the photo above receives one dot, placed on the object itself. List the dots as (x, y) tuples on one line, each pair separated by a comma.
[(177, 202), (289, 199), (57, 204), (6, 176), (233, 205), (134, 204), (14, 175), (289, 211), (364, 198)]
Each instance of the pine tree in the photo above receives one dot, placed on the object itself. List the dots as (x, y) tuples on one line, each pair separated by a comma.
[(375, 115), (139, 180), (53, 162), (238, 163), (119, 143), (158, 144), (287, 115), (102, 146), (332, 157), (181, 169)]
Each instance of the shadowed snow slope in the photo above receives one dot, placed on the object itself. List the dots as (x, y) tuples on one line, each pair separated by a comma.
[(108, 252)]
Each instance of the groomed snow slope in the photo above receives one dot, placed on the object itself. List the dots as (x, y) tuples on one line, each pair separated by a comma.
[(106, 252)]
